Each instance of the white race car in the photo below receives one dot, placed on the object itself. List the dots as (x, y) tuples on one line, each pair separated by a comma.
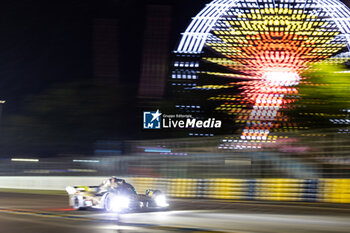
[(115, 199)]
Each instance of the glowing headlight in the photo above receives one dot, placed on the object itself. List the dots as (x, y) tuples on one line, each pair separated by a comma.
[(119, 203), (161, 201)]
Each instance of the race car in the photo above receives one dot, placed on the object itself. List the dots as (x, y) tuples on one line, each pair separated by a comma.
[(114, 195)]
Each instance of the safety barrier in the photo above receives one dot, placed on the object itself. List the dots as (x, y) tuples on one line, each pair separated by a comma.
[(307, 190), (311, 190), (335, 190)]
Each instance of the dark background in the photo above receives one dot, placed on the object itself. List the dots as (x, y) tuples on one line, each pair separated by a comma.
[(54, 104)]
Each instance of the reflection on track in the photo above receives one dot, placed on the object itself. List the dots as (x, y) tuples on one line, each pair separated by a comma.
[(197, 221), (112, 221), (45, 213)]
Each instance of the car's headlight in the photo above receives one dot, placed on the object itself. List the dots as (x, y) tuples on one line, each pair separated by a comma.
[(120, 203), (161, 201)]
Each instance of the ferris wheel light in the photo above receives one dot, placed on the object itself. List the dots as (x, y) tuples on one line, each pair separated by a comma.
[(281, 78)]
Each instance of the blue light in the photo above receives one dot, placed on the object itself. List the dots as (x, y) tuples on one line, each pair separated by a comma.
[(158, 150)]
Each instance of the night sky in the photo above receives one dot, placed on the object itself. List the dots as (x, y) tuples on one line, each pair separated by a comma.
[(45, 44), (48, 42)]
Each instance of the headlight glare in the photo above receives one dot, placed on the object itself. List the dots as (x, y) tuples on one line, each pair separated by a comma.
[(161, 201), (119, 203)]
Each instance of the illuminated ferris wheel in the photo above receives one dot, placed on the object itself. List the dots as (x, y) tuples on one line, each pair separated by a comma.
[(259, 47)]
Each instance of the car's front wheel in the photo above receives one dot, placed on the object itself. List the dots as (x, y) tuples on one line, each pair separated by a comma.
[(108, 202)]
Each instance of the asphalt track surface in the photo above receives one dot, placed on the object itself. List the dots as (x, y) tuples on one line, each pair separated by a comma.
[(34, 213)]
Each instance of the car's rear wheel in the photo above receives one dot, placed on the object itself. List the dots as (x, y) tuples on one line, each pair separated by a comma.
[(76, 203)]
